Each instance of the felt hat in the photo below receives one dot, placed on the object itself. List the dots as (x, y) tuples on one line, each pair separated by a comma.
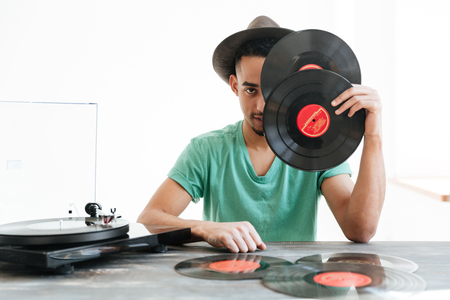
[(224, 55)]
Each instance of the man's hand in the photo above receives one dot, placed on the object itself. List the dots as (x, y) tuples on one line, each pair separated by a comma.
[(362, 97), (235, 236)]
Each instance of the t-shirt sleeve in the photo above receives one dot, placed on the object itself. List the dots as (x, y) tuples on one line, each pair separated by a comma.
[(188, 171), (343, 168)]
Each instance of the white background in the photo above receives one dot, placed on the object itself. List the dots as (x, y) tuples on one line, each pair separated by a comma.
[(48, 153), (148, 66)]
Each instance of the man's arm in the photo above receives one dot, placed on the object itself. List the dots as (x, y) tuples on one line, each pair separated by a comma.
[(357, 207), (171, 199)]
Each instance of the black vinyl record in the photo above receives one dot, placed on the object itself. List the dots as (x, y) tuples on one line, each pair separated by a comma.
[(343, 281), (308, 49), (385, 261), (301, 126), (61, 231), (230, 266)]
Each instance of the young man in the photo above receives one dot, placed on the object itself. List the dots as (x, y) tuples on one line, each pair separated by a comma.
[(249, 194)]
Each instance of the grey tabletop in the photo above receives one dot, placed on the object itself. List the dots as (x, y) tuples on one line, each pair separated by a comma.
[(142, 275)]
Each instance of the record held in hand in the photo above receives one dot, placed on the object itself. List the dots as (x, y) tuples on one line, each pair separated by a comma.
[(385, 261), (61, 231), (301, 126), (308, 49), (343, 281), (230, 266)]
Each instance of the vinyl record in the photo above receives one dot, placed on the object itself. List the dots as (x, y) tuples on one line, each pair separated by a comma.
[(308, 49), (301, 126), (230, 266), (343, 281), (88, 253), (61, 231), (385, 261)]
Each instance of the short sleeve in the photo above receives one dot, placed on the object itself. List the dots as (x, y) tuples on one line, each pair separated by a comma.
[(189, 170), (343, 168)]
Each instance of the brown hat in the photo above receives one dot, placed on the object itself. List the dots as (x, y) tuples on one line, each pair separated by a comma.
[(224, 55)]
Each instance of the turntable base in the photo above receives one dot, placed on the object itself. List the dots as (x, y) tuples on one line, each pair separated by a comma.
[(60, 257)]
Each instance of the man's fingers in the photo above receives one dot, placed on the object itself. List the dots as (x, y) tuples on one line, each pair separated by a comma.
[(234, 241), (356, 90), (243, 247), (246, 238), (262, 246), (251, 245), (345, 95), (258, 241), (346, 105), (229, 243), (355, 103)]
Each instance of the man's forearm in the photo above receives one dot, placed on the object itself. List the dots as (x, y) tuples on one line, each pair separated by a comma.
[(159, 217), (367, 199)]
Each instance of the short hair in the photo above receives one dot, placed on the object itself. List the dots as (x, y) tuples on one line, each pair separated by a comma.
[(257, 47)]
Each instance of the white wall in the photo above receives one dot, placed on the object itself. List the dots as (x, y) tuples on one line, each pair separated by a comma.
[(47, 156), (148, 66)]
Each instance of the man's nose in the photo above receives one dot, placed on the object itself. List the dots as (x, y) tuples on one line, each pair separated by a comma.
[(260, 103)]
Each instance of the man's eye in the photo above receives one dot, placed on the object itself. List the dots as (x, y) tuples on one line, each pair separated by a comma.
[(250, 90)]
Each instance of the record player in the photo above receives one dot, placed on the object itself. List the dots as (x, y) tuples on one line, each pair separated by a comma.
[(56, 244)]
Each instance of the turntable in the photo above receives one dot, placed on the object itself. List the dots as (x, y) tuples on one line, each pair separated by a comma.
[(56, 244)]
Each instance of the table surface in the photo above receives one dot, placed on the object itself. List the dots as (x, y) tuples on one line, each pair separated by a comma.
[(143, 275)]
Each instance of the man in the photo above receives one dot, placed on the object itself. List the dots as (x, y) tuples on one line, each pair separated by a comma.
[(249, 194)]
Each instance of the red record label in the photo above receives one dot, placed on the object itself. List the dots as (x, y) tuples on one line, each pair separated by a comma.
[(310, 66), (234, 266), (342, 279), (313, 120)]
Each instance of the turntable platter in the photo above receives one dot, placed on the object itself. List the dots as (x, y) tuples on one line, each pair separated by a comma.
[(61, 231)]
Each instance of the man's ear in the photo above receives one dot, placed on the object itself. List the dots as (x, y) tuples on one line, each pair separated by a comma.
[(234, 84)]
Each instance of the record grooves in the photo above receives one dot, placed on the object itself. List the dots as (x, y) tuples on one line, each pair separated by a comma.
[(230, 266), (308, 49), (386, 261), (343, 281), (301, 126), (302, 74)]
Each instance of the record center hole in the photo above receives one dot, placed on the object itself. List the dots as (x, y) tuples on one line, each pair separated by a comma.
[(314, 120)]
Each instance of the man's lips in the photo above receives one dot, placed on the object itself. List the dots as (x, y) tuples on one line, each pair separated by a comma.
[(259, 120)]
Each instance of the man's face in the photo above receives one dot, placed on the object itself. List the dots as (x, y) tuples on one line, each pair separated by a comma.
[(247, 86)]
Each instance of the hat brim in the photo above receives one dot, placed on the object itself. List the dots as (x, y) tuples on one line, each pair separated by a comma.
[(224, 56)]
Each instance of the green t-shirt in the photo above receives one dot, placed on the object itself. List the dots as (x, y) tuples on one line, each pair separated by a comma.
[(282, 205)]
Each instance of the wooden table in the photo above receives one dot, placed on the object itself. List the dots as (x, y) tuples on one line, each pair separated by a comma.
[(141, 275)]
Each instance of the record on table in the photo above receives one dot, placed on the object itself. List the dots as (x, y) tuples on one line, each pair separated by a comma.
[(308, 49), (301, 126), (385, 261), (230, 266), (69, 230), (343, 281)]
